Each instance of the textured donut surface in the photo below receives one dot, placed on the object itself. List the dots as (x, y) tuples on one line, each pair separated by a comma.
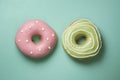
[(27, 31), (90, 47)]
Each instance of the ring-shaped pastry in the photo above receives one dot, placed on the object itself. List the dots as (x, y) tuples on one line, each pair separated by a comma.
[(82, 29), (27, 31)]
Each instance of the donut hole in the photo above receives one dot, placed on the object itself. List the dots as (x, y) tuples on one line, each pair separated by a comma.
[(36, 39), (80, 39)]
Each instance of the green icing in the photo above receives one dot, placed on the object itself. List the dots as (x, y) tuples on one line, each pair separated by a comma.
[(91, 45)]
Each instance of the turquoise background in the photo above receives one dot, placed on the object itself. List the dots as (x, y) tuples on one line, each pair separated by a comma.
[(58, 65)]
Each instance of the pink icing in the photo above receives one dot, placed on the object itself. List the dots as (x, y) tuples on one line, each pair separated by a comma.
[(24, 39)]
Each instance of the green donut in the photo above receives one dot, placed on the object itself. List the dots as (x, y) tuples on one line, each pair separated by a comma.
[(78, 29)]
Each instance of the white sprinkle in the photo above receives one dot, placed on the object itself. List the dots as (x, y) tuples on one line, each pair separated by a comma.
[(53, 35), (36, 21), (49, 47), (31, 52), (39, 49), (21, 31), (19, 40), (43, 29), (47, 38), (26, 40), (30, 26)]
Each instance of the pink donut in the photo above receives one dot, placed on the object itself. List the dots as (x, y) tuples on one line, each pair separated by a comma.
[(24, 41)]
